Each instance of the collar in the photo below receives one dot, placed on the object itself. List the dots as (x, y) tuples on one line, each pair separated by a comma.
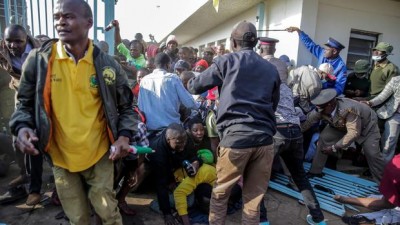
[(62, 53), (382, 64), (28, 48)]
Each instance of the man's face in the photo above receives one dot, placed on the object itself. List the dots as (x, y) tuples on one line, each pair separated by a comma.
[(208, 56), (220, 50), (150, 66), (70, 21), (183, 55), (15, 41), (134, 50), (178, 71), (177, 142), (172, 45), (326, 109), (329, 52), (378, 53)]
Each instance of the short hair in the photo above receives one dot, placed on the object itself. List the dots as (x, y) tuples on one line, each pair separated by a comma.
[(15, 28), (186, 49), (87, 11), (175, 129), (193, 121), (134, 42), (162, 59)]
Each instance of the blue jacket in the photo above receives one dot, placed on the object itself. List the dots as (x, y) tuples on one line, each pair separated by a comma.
[(339, 66)]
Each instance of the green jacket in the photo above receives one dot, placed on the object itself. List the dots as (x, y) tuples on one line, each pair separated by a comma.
[(34, 96)]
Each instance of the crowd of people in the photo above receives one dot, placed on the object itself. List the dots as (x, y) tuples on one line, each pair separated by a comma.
[(219, 124)]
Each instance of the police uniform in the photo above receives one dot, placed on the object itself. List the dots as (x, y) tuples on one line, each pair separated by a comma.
[(350, 122), (279, 64)]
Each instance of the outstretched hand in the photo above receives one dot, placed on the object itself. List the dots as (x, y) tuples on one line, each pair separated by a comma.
[(292, 29)]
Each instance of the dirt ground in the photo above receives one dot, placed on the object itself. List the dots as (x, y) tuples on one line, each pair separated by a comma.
[(282, 210)]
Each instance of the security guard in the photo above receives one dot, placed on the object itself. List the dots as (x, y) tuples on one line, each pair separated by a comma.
[(383, 69), (348, 121), (267, 51)]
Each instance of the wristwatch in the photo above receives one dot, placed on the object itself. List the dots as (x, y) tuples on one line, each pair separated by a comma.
[(334, 149)]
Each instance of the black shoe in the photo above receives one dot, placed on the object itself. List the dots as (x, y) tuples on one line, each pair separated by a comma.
[(310, 175), (367, 173), (13, 194)]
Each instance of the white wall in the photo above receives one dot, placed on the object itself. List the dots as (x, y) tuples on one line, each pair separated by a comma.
[(282, 14), (336, 18)]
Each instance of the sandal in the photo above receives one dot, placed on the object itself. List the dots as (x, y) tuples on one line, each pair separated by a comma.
[(124, 208)]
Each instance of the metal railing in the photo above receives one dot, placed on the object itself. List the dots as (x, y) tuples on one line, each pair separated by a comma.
[(16, 12)]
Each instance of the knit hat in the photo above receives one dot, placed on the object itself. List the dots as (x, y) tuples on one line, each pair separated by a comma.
[(202, 63), (171, 38), (181, 64), (206, 155)]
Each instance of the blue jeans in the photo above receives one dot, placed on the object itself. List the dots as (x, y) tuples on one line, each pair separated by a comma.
[(288, 143), (390, 136)]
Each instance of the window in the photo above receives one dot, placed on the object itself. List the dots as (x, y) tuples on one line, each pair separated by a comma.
[(360, 46), (201, 50)]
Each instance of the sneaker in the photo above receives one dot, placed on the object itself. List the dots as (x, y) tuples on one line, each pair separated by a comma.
[(311, 221), (21, 179)]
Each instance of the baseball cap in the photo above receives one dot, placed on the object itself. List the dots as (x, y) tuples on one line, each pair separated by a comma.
[(244, 31)]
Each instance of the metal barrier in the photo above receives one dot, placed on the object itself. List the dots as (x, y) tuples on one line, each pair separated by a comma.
[(16, 12)]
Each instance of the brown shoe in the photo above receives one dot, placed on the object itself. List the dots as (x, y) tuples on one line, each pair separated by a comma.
[(21, 179), (33, 199)]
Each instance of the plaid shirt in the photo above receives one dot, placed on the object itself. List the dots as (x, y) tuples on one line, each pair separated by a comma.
[(140, 138)]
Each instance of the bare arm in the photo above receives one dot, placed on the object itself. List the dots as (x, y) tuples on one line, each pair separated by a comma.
[(117, 34), (369, 203)]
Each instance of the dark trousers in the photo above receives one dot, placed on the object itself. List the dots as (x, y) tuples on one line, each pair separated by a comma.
[(288, 143), (34, 164)]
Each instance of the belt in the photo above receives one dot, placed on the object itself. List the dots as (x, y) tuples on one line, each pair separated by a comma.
[(285, 125)]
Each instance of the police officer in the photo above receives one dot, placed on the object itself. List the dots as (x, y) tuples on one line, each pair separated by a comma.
[(267, 51), (383, 69), (348, 121)]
